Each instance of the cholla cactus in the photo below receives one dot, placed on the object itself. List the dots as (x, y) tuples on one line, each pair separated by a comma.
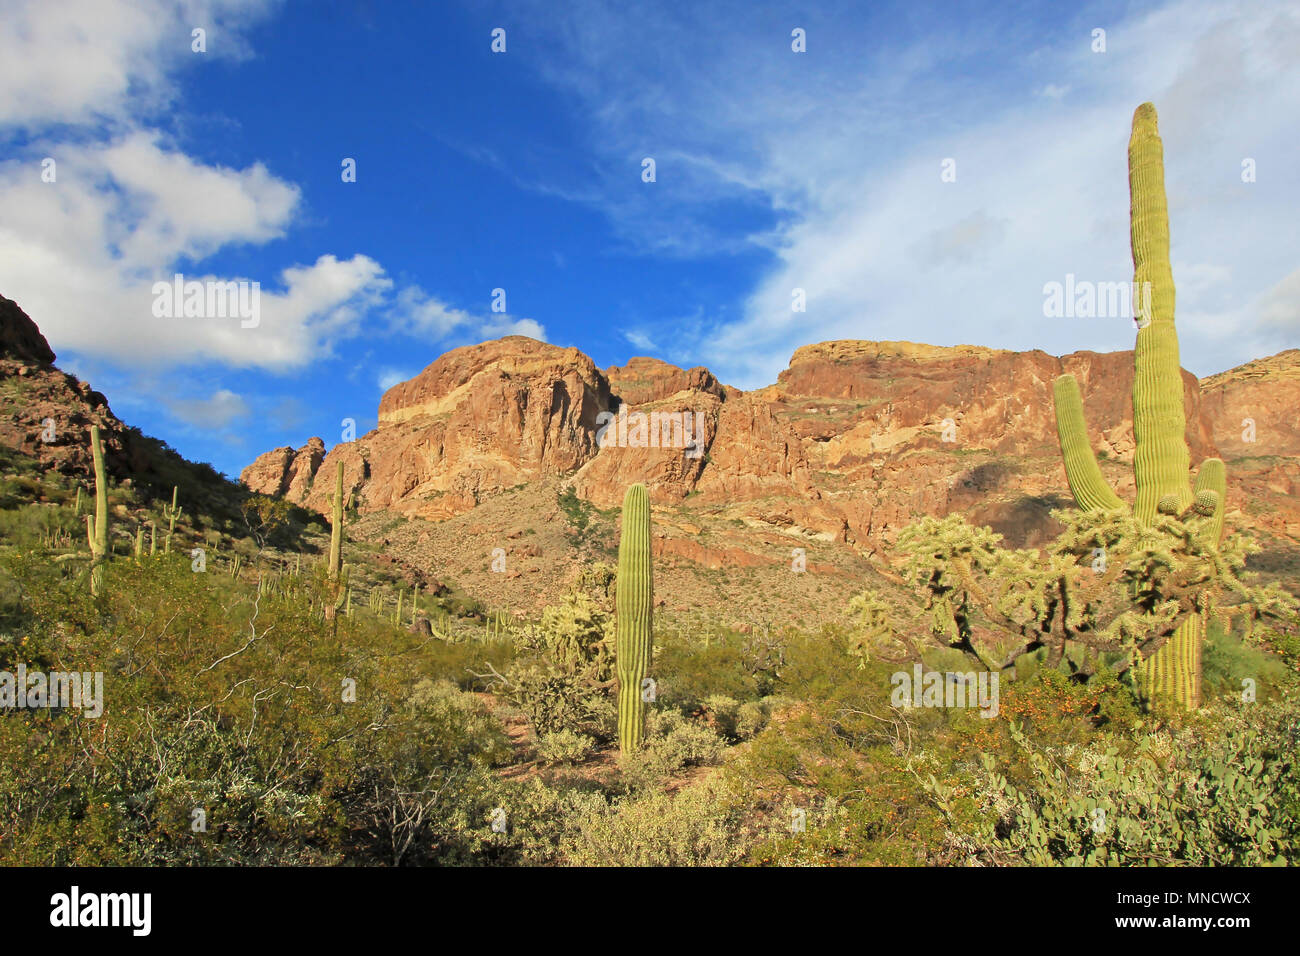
[(1161, 460)]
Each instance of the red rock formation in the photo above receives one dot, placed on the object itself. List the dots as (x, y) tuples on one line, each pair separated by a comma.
[(478, 421), (1254, 410), (853, 442), (283, 471)]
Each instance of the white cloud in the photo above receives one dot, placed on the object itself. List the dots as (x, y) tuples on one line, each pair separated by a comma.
[(640, 340), (962, 242), (82, 61), (127, 208), (420, 315), (213, 413), (388, 377), (843, 147)]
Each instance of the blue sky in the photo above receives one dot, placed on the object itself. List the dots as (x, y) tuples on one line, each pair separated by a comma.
[(522, 170)]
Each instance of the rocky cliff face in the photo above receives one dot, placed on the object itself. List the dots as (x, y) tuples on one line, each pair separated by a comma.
[(854, 441), (46, 413), (1252, 409), (478, 421)]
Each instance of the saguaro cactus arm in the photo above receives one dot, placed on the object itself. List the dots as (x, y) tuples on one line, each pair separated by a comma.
[(1087, 484), (633, 648), (1210, 493)]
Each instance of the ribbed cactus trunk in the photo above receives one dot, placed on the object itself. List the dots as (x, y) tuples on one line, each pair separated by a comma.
[(1161, 459), (97, 530), (336, 546), (1173, 672), (633, 647)]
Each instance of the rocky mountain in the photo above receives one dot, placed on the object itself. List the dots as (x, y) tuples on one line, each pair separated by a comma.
[(46, 414), (854, 441), (525, 447)]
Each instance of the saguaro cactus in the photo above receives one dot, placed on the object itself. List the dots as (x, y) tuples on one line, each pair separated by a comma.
[(1161, 460), (97, 529), (633, 647), (336, 546), (171, 514)]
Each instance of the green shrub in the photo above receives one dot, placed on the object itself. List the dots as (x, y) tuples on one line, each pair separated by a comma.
[(672, 744), (1223, 794), (695, 827), (563, 672), (564, 746)]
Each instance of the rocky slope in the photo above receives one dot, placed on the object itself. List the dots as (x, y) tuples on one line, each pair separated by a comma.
[(46, 414)]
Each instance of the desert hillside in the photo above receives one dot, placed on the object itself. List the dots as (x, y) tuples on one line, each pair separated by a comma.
[(855, 441)]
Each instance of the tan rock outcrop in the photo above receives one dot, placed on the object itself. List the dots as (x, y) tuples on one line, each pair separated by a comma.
[(853, 442), (1254, 409), (480, 420)]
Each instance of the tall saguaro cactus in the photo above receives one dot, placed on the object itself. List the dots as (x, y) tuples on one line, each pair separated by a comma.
[(97, 528), (633, 647), (1161, 460), (337, 581)]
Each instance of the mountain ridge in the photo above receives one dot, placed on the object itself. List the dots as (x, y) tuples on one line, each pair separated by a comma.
[(901, 423)]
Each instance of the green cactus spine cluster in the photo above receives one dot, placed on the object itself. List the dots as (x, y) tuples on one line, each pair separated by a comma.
[(1161, 461), (97, 527), (635, 609)]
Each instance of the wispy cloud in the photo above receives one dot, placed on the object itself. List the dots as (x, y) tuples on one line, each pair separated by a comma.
[(214, 413), (420, 315), (831, 161), (388, 377), (640, 340)]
